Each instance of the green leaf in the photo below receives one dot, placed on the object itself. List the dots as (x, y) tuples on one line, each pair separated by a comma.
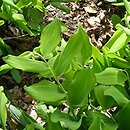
[(63, 1), (50, 37), (83, 83), (79, 46), (16, 75), (118, 61), (30, 127), (108, 122), (22, 117), (123, 117), (117, 95), (26, 64), (53, 126), (125, 29), (96, 125), (3, 111), (111, 76), (111, 0), (103, 100), (60, 6), (5, 48), (97, 67), (23, 3), (10, 2), (2, 22), (112, 40), (119, 43), (127, 6), (4, 68), (39, 5), (21, 23), (100, 61), (97, 55), (70, 122), (45, 91), (115, 19)]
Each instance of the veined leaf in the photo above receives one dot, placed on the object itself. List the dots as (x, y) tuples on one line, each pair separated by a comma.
[(107, 123), (82, 84), (103, 100), (45, 91), (96, 125), (118, 61), (97, 67), (117, 95), (97, 55), (3, 111), (50, 37), (39, 5), (112, 40), (26, 64), (78, 46), (111, 76), (23, 3), (4, 68), (119, 43), (59, 116)]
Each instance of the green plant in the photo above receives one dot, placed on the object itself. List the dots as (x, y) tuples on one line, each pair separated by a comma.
[(82, 89), (27, 15)]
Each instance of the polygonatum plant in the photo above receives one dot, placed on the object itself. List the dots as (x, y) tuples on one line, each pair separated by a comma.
[(81, 87)]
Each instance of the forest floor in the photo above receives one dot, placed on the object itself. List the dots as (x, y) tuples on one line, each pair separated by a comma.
[(93, 15)]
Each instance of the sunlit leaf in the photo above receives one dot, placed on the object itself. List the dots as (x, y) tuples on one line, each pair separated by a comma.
[(50, 37), (2, 22), (119, 62), (78, 46), (103, 100), (82, 84), (112, 40), (26, 64), (117, 95), (4, 68), (45, 91), (111, 76)]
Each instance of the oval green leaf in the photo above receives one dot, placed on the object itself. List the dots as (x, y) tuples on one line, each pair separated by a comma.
[(50, 37), (45, 91), (111, 76), (82, 84)]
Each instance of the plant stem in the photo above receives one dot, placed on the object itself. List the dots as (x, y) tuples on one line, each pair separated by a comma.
[(59, 84)]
